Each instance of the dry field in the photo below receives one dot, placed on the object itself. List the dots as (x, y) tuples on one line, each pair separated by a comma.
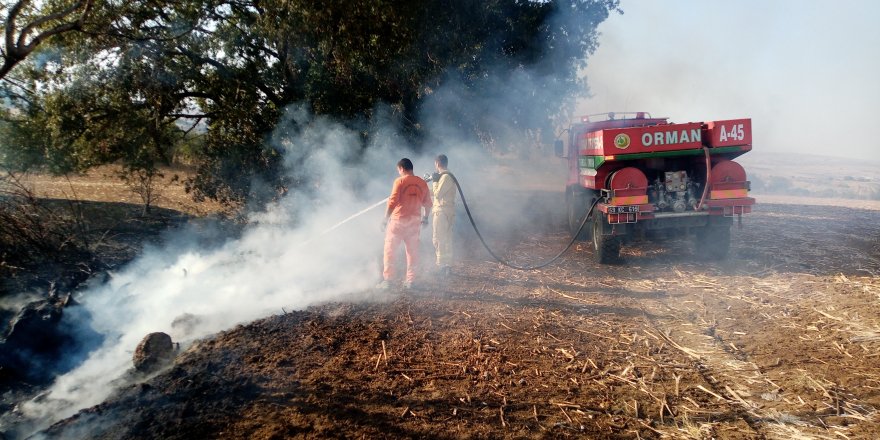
[(782, 340), (101, 184)]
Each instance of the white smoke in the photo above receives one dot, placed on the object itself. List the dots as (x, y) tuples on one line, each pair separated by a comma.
[(283, 260), (280, 261)]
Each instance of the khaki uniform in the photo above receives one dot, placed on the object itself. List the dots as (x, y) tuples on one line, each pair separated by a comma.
[(444, 217)]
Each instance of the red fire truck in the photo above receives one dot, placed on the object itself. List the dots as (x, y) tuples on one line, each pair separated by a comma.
[(644, 176)]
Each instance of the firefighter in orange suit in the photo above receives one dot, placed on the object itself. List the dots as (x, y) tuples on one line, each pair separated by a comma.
[(403, 221), (444, 214)]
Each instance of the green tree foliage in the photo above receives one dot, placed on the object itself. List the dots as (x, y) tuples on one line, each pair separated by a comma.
[(142, 74)]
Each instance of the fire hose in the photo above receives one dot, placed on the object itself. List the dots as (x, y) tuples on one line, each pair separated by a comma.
[(587, 215), (708, 178), (504, 262)]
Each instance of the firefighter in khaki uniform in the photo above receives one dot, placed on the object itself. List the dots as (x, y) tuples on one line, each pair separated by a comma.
[(444, 214), (403, 221)]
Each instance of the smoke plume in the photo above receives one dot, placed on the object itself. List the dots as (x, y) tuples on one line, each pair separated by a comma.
[(283, 259)]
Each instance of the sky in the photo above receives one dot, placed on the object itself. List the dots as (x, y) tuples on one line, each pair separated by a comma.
[(807, 72)]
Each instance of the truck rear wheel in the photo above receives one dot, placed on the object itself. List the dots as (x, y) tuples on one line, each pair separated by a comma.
[(607, 247), (577, 203), (714, 241)]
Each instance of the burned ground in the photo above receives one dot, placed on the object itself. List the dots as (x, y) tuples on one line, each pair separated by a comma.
[(782, 340)]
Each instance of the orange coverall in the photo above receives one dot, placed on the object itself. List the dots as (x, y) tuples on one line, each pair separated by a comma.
[(408, 195)]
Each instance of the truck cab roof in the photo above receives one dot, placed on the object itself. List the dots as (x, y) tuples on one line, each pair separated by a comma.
[(602, 121)]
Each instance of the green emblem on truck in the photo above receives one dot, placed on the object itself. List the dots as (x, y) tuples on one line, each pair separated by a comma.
[(621, 141)]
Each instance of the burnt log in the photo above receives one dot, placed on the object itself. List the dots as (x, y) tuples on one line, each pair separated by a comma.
[(154, 352)]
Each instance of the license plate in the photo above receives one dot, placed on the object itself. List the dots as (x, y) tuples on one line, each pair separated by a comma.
[(623, 209)]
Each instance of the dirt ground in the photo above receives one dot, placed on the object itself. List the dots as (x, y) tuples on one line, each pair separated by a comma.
[(782, 340)]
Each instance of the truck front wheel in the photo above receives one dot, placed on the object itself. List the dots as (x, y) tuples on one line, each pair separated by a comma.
[(607, 247)]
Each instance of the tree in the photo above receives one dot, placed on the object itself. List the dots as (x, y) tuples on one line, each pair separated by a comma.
[(27, 26), (231, 67)]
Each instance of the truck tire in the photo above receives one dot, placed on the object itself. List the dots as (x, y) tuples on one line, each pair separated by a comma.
[(607, 247), (713, 242), (577, 201)]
